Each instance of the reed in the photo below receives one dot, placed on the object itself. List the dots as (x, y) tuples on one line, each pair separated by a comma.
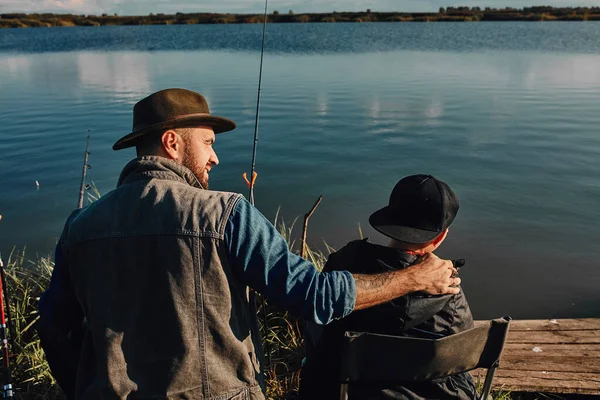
[(25, 282)]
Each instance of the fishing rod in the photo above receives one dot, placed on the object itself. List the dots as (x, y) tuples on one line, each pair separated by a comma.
[(7, 389), (85, 168), (253, 172)]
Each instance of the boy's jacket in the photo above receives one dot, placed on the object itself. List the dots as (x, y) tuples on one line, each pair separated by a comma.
[(415, 315)]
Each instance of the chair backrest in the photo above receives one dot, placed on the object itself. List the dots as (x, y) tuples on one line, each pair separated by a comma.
[(370, 357)]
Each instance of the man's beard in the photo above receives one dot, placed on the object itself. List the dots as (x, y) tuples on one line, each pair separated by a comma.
[(189, 161), (202, 176)]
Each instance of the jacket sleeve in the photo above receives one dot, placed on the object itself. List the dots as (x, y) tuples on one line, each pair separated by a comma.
[(260, 257), (61, 325)]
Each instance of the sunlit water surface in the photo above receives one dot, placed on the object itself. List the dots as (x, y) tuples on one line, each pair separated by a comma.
[(506, 114)]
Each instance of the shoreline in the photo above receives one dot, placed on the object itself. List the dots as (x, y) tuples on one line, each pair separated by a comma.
[(451, 14)]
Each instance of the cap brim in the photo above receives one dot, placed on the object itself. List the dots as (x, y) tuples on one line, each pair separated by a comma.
[(382, 221), (219, 124)]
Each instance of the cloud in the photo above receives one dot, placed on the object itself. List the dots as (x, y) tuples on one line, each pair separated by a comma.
[(57, 6)]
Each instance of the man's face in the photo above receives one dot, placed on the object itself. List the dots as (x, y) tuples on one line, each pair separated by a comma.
[(198, 153)]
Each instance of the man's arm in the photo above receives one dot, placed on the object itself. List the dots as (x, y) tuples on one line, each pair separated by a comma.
[(261, 258), (431, 275)]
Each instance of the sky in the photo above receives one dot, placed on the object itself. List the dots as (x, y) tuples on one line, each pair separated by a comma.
[(145, 7)]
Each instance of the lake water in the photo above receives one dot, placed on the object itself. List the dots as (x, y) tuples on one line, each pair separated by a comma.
[(506, 113)]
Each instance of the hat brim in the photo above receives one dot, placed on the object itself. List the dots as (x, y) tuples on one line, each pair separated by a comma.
[(382, 221), (219, 124)]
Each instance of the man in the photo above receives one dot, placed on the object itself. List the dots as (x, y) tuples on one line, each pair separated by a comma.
[(159, 270), (417, 218)]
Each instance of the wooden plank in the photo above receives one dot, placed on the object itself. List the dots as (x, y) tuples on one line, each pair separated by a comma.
[(538, 381), (556, 324), (566, 359), (564, 376), (547, 386), (584, 350), (565, 364), (552, 324), (583, 336)]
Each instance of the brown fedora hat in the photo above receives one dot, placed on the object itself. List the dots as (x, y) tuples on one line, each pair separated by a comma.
[(170, 109)]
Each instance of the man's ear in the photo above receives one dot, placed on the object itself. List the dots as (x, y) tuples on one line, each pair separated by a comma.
[(438, 240), (172, 144)]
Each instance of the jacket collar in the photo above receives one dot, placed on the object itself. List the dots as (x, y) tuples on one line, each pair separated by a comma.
[(391, 255), (362, 256), (156, 167)]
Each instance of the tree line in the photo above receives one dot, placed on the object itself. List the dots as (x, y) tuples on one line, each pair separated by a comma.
[(449, 14)]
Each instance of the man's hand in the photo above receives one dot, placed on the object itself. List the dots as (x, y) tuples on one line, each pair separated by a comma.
[(434, 275), (431, 275)]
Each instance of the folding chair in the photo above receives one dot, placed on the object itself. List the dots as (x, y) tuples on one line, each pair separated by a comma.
[(370, 357)]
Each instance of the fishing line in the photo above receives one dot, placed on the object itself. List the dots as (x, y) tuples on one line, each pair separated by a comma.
[(253, 175)]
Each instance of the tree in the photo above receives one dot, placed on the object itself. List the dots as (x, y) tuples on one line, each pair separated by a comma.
[(368, 11), (442, 10), (290, 12), (275, 12)]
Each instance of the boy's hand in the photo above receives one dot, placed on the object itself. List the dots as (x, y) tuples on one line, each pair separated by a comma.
[(434, 275)]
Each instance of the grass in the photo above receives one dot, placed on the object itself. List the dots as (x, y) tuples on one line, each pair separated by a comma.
[(25, 282), (283, 341)]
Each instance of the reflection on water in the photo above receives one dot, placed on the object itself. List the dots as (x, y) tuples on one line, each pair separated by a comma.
[(119, 74), (13, 67), (514, 133)]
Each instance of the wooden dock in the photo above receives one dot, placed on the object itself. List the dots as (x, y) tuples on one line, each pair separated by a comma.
[(552, 356)]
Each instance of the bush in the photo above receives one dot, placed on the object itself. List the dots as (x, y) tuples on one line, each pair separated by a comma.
[(11, 23), (34, 23), (86, 22), (302, 18), (399, 18)]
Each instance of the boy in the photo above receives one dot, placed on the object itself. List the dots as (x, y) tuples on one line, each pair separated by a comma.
[(420, 210)]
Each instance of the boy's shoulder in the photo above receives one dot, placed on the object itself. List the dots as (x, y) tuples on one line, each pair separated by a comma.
[(362, 256), (345, 258)]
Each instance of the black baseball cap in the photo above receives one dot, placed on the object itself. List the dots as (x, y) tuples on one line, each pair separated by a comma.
[(421, 208)]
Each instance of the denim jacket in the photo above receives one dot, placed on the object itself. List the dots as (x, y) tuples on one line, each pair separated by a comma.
[(150, 293)]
